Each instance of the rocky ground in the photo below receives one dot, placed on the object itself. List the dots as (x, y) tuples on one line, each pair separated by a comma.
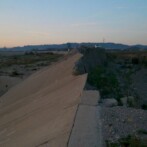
[(119, 122)]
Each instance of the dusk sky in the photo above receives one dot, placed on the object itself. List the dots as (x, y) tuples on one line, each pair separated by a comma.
[(26, 22)]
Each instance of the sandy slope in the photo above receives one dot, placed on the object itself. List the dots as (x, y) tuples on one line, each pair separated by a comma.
[(40, 110), (7, 82)]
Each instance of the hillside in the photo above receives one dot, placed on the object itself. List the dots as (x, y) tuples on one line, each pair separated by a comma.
[(66, 46)]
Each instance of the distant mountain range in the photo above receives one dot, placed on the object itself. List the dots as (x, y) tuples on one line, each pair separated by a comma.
[(66, 46)]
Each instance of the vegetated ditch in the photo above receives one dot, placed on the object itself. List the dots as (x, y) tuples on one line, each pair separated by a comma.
[(115, 74), (114, 79)]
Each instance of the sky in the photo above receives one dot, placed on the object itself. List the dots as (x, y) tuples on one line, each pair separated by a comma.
[(32, 22)]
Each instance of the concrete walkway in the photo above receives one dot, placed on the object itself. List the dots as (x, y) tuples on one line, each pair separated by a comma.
[(90, 97), (86, 131)]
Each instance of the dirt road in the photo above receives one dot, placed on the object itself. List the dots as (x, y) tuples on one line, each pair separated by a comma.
[(40, 111)]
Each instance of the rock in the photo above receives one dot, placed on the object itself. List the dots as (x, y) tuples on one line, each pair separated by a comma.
[(109, 102), (124, 101), (131, 101), (128, 101)]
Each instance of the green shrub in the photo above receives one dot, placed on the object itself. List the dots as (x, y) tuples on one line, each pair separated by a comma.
[(15, 73), (129, 141), (105, 81), (142, 131), (144, 106), (135, 60)]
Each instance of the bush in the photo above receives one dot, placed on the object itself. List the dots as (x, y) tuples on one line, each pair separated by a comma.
[(142, 131), (15, 73), (135, 60), (105, 81), (129, 141), (144, 106)]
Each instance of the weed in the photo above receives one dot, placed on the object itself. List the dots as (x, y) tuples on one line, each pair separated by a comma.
[(142, 131), (129, 141), (106, 81), (14, 73), (144, 106)]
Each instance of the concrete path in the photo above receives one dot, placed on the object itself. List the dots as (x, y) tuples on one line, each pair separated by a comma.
[(90, 97), (86, 131)]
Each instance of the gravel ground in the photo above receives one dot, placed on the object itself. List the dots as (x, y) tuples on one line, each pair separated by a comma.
[(118, 122)]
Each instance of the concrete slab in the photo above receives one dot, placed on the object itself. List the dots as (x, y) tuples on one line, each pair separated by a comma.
[(90, 97), (87, 128)]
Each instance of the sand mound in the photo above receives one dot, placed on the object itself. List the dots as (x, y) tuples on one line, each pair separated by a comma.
[(40, 110)]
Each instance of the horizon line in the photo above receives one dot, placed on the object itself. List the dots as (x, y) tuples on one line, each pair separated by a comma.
[(69, 42)]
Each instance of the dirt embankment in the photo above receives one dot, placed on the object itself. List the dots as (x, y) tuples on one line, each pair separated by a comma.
[(17, 66), (40, 110)]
